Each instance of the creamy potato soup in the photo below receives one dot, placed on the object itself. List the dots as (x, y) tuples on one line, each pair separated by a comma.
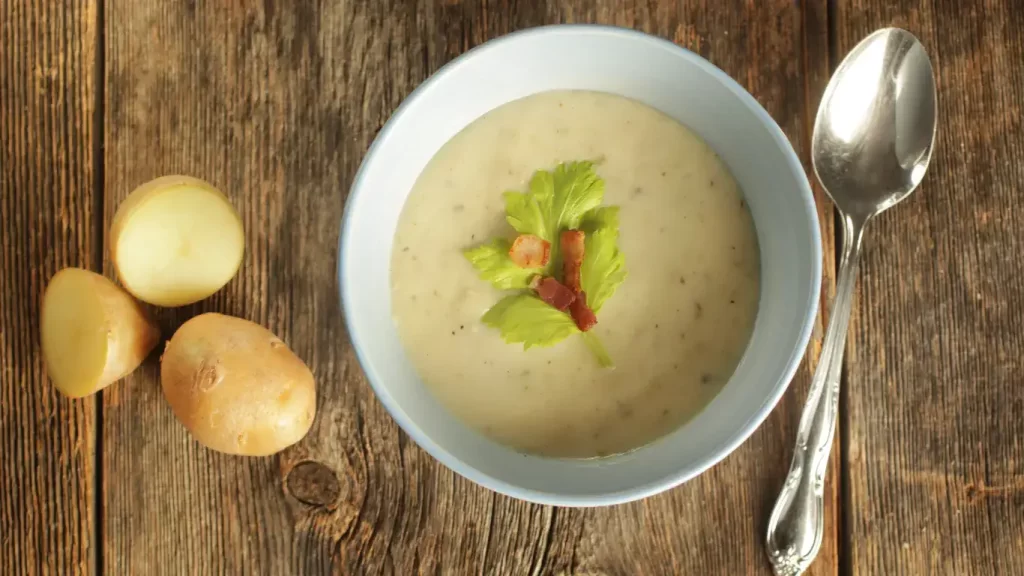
[(675, 328)]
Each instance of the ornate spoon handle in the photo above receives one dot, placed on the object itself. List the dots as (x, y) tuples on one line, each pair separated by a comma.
[(797, 521)]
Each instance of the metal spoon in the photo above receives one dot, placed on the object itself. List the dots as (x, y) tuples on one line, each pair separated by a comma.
[(872, 143)]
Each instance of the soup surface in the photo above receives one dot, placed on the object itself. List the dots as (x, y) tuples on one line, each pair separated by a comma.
[(676, 328)]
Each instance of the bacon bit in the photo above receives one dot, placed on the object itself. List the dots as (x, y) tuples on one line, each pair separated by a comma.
[(572, 258), (581, 313), (573, 245), (529, 251), (553, 292)]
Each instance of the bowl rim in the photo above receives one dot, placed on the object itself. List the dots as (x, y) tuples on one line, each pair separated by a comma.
[(684, 473)]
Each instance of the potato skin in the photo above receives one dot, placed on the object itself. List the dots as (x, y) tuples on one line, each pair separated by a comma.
[(236, 386), (132, 333)]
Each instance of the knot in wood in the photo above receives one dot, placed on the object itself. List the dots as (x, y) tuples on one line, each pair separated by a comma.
[(313, 483)]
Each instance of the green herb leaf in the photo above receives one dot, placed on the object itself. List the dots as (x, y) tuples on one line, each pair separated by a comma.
[(604, 266), (556, 201), (567, 198), (527, 319), (530, 213), (578, 190), (604, 217), (595, 345), (493, 264)]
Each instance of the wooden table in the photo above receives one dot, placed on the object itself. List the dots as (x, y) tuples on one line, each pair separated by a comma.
[(276, 105)]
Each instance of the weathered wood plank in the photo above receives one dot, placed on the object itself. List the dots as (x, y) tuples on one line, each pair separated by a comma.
[(934, 367), (218, 92), (47, 442), (276, 106)]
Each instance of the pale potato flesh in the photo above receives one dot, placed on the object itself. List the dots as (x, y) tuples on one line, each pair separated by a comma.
[(93, 333), (176, 240), (236, 386)]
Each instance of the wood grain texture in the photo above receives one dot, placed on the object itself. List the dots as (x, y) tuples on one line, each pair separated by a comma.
[(47, 442), (934, 396), (276, 106)]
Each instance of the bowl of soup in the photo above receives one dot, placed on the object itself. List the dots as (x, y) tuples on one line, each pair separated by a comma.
[(579, 265)]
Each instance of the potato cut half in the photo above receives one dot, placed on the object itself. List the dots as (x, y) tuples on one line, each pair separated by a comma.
[(93, 332), (176, 240)]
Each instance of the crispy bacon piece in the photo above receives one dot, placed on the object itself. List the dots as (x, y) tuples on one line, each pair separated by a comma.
[(581, 313), (573, 246), (572, 258), (529, 251), (553, 292)]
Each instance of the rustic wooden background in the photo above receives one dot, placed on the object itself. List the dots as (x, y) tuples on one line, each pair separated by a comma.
[(276, 105)]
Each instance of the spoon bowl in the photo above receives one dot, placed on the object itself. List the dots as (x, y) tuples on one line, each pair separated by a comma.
[(874, 130)]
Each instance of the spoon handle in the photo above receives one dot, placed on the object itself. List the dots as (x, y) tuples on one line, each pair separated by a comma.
[(797, 521)]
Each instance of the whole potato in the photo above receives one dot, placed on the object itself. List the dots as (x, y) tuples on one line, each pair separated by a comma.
[(236, 387)]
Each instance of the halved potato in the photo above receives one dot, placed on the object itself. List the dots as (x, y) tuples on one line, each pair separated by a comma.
[(176, 240), (93, 332)]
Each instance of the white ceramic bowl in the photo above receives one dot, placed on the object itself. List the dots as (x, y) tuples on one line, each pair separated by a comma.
[(659, 74)]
